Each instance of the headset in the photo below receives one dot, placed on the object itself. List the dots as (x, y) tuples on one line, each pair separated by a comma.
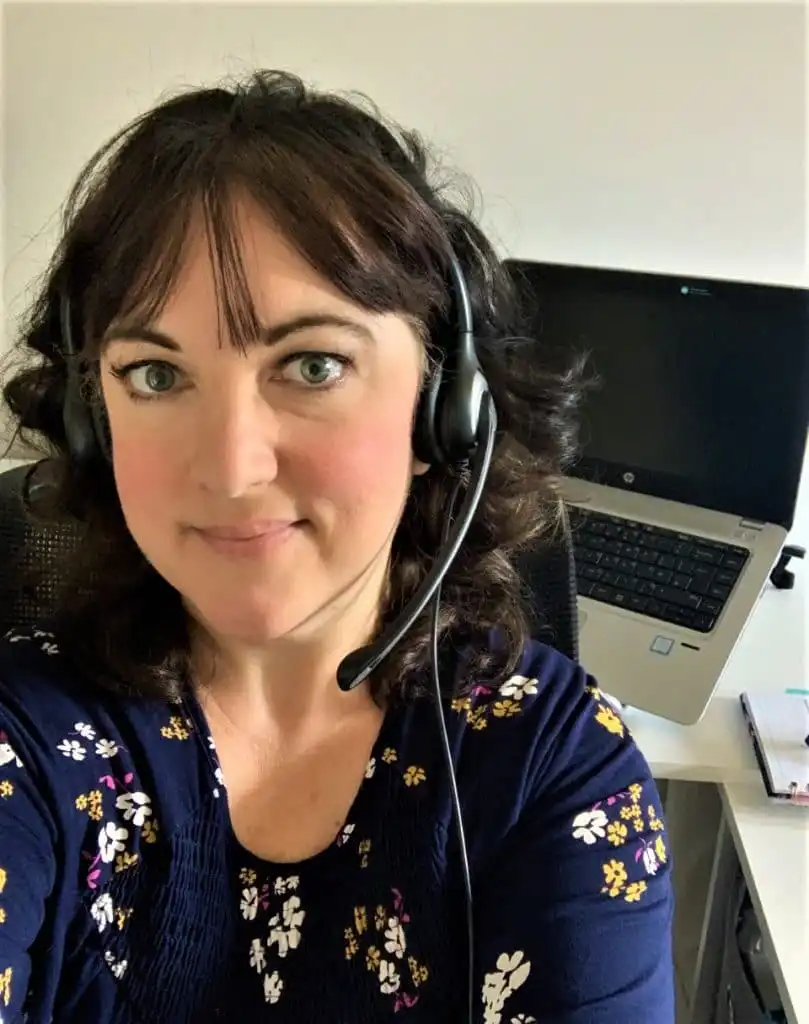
[(455, 426)]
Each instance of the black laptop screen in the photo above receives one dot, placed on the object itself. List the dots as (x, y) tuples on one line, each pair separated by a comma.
[(704, 385)]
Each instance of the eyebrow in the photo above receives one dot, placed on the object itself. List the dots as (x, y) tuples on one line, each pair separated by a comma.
[(268, 335)]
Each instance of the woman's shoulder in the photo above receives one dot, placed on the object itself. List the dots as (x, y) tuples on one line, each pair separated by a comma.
[(72, 735), (537, 706), (547, 738)]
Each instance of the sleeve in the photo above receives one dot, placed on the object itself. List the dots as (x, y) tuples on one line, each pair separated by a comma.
[(27, 865), (573, 918)]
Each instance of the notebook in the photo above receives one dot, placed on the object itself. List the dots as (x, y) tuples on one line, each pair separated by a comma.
[(779, 728)]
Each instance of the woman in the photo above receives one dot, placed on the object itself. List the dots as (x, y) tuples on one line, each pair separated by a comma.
[(198, 823)]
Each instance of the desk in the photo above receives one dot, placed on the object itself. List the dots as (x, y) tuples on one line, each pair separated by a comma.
[(771, 841)]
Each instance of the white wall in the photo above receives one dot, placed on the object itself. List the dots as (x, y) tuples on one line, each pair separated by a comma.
[(666, 137)]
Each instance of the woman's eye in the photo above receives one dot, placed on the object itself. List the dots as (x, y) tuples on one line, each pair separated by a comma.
[(316, 369), (152, 378)]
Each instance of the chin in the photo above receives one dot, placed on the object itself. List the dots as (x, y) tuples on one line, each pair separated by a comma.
[(249, 619)]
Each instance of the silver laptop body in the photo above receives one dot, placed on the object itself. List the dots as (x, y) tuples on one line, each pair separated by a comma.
[(695, 431)]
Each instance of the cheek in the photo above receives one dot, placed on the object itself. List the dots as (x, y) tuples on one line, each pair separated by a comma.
[(363, 467), (143, 475)]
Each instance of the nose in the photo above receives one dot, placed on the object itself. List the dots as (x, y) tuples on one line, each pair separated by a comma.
[(236, 440)]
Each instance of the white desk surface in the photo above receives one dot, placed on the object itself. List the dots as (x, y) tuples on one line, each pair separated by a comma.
[(772, 843)]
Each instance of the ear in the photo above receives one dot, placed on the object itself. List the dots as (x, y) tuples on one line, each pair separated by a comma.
[(419, 468)]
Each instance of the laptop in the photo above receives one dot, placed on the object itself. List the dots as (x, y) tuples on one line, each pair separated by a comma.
[(692, 445)]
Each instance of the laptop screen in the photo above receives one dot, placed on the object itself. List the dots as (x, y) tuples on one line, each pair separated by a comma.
[(702, 391)]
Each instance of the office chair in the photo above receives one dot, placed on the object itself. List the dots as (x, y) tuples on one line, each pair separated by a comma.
[(27, 546)]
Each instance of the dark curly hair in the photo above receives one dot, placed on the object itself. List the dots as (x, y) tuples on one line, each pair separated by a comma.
[(354, 196)]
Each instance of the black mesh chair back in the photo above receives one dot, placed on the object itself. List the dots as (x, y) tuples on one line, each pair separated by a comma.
[(30, 553)]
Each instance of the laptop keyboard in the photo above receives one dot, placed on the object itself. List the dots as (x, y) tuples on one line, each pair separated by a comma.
[(671, 576)]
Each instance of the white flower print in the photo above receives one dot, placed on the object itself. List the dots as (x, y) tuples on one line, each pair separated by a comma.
[(211, 744), (370, 768), (249, 903), (518, 687), (111, 840), (136, 807), (499, 985), (273, 987), (395, 938), (102, 911), (287, 934), (284, 885), (7, 755), (589, 826), (50, 648), (523, 1018), (257, 959), (106, 748), (87, 732), (389, 980), (345, 835), (650, 860), (118, 967), (72, 749)]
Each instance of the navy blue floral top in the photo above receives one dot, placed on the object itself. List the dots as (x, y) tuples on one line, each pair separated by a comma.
[(125, 896)]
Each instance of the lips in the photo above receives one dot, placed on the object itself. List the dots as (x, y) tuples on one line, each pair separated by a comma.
[(246, 531)]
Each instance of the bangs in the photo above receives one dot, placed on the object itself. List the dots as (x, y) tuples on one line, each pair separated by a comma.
[(351, 215)]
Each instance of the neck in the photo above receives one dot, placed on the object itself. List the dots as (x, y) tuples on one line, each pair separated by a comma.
[(288, 686)]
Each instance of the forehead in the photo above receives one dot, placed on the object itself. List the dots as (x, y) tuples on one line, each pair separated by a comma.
[(278, 280)]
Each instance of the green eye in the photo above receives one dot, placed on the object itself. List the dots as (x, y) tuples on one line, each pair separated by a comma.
[(153, 377), (316, 369)]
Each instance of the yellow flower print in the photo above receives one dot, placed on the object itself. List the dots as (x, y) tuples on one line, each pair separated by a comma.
[(594, 691), (351, 943), (418, 972), (5, 985), (380, 918), (149, 831), (247, 876), (389, 755), (6, 789), (615, 876), (636, 791), (655, 824), (360, 920), (122, 916), (634, 891), (660, 850), (630, 812), (612, 723), (372, 959), (364, 849), (3, 879), (414, 775), (506, 708), (477, 718), (125, 860), (2, 916), (176, 729), (462, 704), (93, 803), (617, 833)]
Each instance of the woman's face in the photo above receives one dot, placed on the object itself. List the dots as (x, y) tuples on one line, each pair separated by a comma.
[(266, 487)]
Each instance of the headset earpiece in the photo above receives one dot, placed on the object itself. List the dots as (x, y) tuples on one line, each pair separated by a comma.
[(83, 431), (448, 419)]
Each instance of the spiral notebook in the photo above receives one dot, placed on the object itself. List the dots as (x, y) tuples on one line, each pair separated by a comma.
[(779, 727)]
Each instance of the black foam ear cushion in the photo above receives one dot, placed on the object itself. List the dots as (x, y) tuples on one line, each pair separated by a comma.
[(426, 442)]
